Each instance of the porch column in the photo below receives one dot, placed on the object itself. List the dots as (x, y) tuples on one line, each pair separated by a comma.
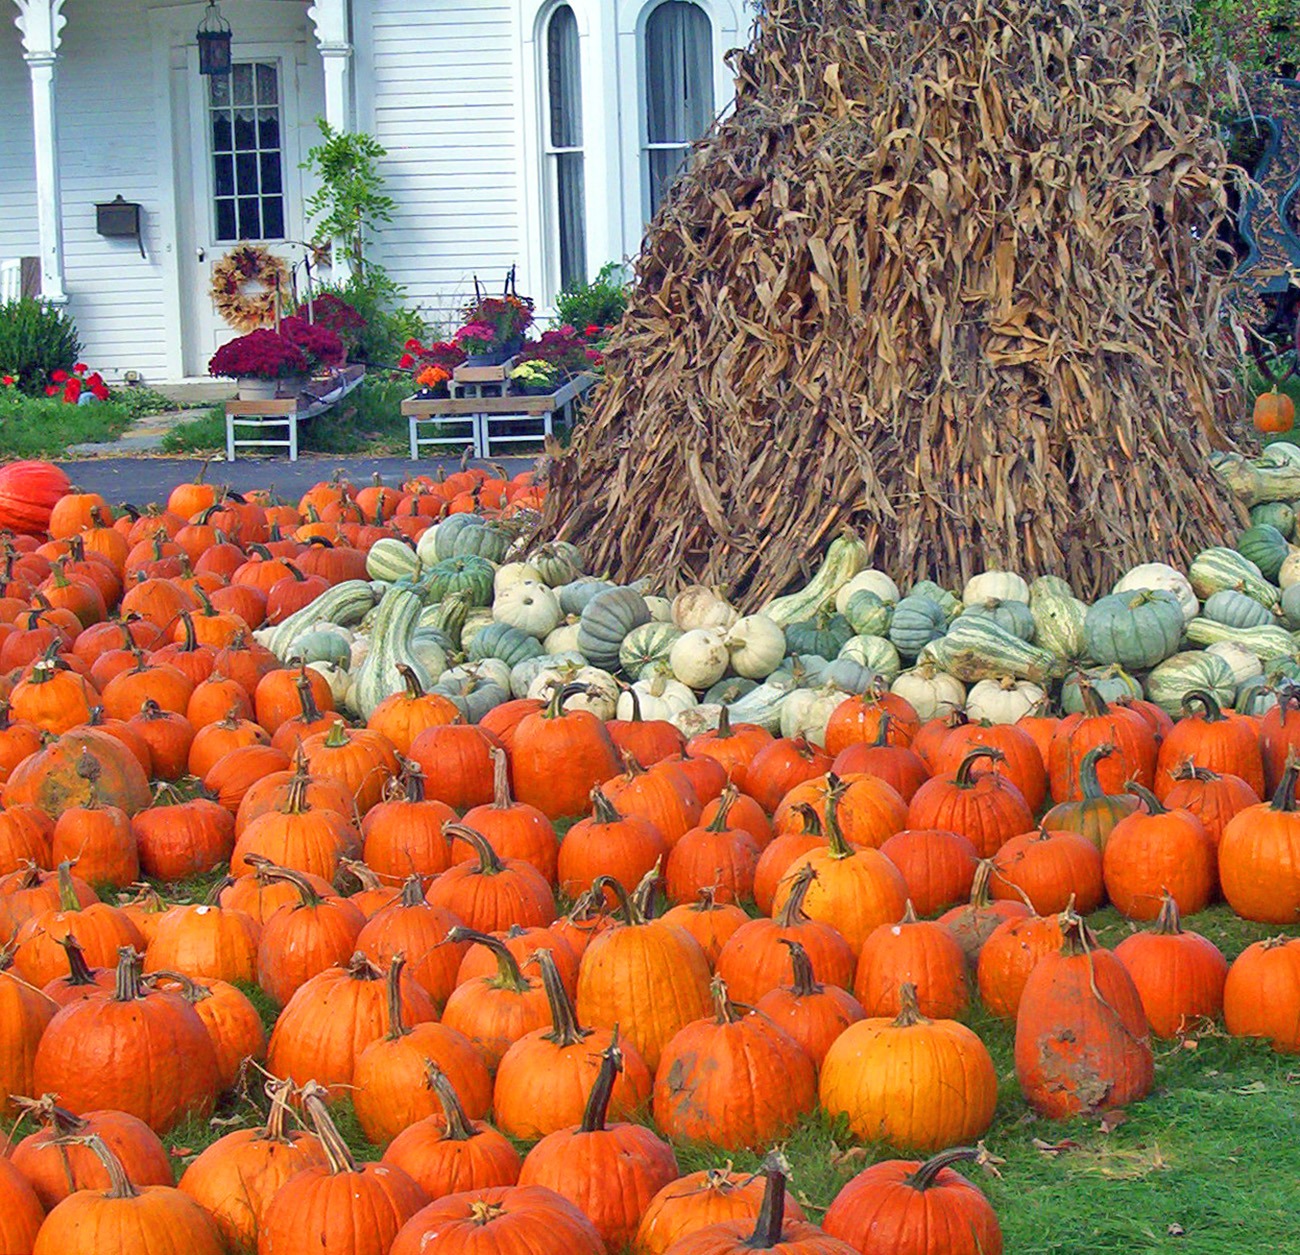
[(41, 23), (330, 17)]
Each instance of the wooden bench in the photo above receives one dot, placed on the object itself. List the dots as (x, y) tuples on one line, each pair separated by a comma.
[(268, 416), (479, 420)]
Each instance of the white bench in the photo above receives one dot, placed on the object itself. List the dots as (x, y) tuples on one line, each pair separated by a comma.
[(265, 418)]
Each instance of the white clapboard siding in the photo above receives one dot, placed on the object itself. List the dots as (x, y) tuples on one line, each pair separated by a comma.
[(445, 104)]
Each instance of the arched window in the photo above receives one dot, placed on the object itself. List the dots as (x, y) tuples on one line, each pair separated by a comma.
[(679, 89), (564, 157)]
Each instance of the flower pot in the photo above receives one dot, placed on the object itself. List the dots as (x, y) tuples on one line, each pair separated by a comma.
[(534, 389), (251, 389), (497, 357)]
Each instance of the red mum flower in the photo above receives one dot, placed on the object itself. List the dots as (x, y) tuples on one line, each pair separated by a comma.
[(72, 391), (51, 392), (406, 361), (59, 376), (591, 331), (80, 368)]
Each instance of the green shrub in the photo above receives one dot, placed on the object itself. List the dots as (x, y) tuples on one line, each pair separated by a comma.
[(44, 427), (600, 303), (140, 402), (35, 341)]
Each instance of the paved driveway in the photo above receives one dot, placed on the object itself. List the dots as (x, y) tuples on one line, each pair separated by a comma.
[(141, 481)]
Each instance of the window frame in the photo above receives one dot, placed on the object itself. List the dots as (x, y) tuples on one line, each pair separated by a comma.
[(550, 152), (211, 111)]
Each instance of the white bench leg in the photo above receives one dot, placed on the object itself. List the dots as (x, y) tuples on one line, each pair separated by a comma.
[(415, 449), (230, 439), (293, 438)]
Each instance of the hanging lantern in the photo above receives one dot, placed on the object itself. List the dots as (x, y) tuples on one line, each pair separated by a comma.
[(214, 38)]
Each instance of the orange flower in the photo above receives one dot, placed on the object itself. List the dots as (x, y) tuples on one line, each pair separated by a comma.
[(432, 376)]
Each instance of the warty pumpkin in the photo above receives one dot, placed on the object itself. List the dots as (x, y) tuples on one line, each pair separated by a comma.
[(1081, 1033), (736, 1080)]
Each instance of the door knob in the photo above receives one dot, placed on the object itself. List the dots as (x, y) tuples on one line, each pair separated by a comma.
[(203, 256)]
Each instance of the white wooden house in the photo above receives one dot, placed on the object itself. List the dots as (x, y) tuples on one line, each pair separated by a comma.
[(532, 131)]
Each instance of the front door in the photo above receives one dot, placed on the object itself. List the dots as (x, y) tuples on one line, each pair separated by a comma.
[(245, 179)]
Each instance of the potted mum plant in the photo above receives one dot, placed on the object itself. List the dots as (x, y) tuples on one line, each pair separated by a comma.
[(494, 326), (266, 364), (535, 377)]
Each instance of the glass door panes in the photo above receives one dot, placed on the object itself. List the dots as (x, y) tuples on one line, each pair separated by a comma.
[(564, 143), (245, 127)]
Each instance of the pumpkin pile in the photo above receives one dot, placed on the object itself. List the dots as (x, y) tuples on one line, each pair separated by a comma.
[(512, 912)]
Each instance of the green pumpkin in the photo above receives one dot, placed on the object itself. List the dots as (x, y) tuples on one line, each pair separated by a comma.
[(487, 542), (1236, 610), (473, 695), (321, 645), (949, 603), (918, 620), (1112, 684), (868, 614), (1254, 696), (1266, 547), (500, 640), (1174, 678), (605, 623), (824, 635), (848, 675), (471, 576), (1011, 616), (875, 653), (575, 596), (646, 645), (558, 563), (729, 689), (1290, 607), (1275, 514), (1134, 630), (444, 539)]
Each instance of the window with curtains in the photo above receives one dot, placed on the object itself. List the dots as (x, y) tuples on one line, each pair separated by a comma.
[(564, 156), (244, 126), (679, 90)]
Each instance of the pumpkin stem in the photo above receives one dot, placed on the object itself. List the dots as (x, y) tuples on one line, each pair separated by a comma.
[(79, 972), (804, 983), (963, 777), (565, 1029), (812, 821), (723, 730), (1168, 922), (119, 1184), (611, 1064), (1208, 703), (130, 965), (626, 902), (397, 1025), (278, 1092), (509, 976), (412, 780), (635, 698), (909, 913), (68, 900), (1284, 799), (459, 1128), (725, 803), (414, 689), (1076, 939), (61, 1123), (631, 767), (928, 1173), (337, 737), (1149, 800), (771, 1214), (412, 892), (882, 730), (331, 1140), (366, 877), (724, 1011), (307, 699), (1188, 769), (602, 809), (836, 789), (501, 799), (489, 863), (307, 896), (910, 1010), (559, 695), (646, 894), (1089, 785), (792, 914), (1093, 702)]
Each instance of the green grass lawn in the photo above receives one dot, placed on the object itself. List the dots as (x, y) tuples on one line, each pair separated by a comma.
[(44, 427), (1206, 1165), (369, 421)]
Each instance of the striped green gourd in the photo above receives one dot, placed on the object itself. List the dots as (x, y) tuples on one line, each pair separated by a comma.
[(345, 604), (845, 556), (976, 648), (1174, 678), (1266, 547), (1058, 616), (1265, 643), (390, 559), (390, 648), (1215, 569), (645, 645)]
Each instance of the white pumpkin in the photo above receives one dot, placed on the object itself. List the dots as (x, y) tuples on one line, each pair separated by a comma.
[(994, 586), (932, 692), (360, 650), (1004, 700), (700, 607), (661, 698), (492, 669), (513, 573), (1244, 664), (661, 609), (756, 645), (1290, 570), (870, 581), (564, 640), (602, 702), (528, 605), (696, 719), (522, 674), (339, 680), (424, 547), (1160, 575), (806, 712), (699, 657)]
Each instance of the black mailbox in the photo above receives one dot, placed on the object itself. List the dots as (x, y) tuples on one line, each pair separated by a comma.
[(121, 220)]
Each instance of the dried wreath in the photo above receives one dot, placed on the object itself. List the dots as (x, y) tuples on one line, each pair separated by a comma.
[(245, 285)]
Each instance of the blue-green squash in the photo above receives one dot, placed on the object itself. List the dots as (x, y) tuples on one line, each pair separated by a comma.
[(1134, 630)]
